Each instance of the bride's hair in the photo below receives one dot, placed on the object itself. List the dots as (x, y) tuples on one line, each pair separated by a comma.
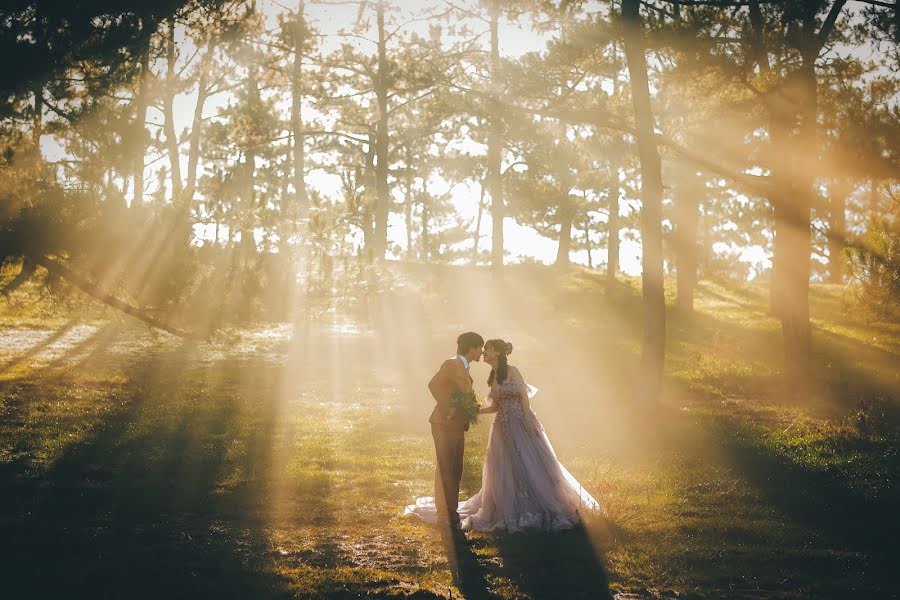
[(503, 349)]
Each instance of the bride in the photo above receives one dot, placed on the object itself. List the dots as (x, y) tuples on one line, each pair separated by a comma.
[(523, 484)]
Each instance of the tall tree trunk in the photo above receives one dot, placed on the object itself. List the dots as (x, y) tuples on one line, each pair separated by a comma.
[(493, 152), (408, 204), (791, 265), (654, 343), (197, 123), (37, 128), (796, 261), (757, 39), (368, 225), (425, 238), (612, 246), (369, 194), (140, 121), (248, 218), (476, 237), (296, 209), (780, 166), (407, 207), (383, 203), (566, 216), (297, 91), (687, 206), (838, 230), (587, 240), (169, 114)]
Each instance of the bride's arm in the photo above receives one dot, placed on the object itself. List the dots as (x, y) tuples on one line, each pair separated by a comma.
[(491, 408)]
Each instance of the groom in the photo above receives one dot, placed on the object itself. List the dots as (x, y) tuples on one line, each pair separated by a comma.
[(448, 427)]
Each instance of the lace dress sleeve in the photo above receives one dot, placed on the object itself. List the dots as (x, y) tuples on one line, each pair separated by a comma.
[(516, 379), (517, 382)]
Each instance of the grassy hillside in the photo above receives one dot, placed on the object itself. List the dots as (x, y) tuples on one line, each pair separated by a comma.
[(275, 461)]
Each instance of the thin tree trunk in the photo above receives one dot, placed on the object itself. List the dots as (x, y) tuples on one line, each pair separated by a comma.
[(37, 129), (566, 214), (426, 240), (477, 235), (297, 209), (654, 343), (140, 120), (382, 205), (297, 91), (169, 115), (197, 123), (493, 152), (408, 204), (686, 218), (248, 218), (587, 240), (612, 245), (248, 239)]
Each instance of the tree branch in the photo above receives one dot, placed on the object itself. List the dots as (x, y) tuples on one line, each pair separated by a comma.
[(828, 25), (92, 290)]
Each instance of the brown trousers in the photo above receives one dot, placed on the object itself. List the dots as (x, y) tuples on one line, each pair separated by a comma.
[(449, 445)]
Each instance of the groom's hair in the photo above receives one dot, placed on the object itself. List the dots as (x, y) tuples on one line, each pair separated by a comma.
[(468, 340)]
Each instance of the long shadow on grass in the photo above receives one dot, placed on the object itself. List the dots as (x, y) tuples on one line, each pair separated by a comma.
[(850, 379), (137, 510), (467, 573), (552, 565), (40, 346), (824, 501), (838, 358)]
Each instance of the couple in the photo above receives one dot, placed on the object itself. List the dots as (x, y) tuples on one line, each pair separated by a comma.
[(523, 484)]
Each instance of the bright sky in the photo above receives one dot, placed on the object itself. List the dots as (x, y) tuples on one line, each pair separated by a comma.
[(515, 37)]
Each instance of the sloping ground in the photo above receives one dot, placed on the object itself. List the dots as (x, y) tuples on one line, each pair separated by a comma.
[(275, 461)]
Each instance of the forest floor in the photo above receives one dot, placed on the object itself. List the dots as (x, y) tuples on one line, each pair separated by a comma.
[(275, 461)]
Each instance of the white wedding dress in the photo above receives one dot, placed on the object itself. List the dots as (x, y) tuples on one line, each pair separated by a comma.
[(523, 484)]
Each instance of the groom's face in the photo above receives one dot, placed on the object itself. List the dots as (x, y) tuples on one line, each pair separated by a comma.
[(474, 354)]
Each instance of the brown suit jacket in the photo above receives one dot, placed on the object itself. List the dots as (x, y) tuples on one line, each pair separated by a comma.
[(452, 376)]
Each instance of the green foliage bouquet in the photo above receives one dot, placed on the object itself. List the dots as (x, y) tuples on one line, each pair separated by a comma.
[(466, 403)]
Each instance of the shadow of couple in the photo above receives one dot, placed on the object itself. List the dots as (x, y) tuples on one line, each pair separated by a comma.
[(530, 564)]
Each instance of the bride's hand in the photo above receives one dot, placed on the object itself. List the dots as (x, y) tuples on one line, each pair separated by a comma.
[(490, 408)]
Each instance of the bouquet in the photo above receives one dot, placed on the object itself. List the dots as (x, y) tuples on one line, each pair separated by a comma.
[(466, 403)]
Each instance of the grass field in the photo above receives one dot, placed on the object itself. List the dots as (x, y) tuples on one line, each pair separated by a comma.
[(275, 461)]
